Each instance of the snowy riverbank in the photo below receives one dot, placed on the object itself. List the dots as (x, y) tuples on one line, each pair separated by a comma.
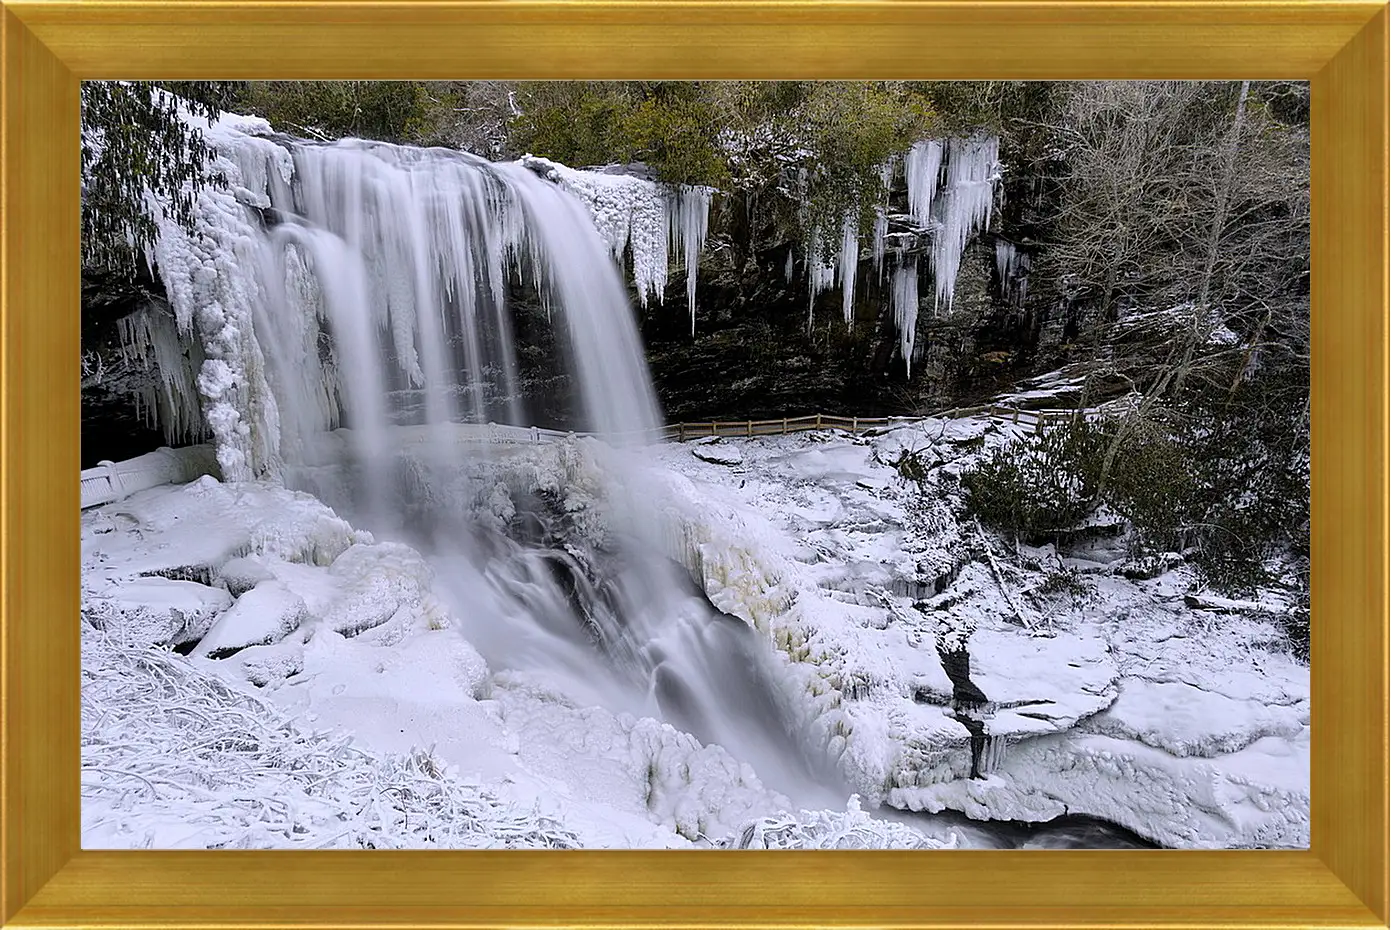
[(1121, 701), (1112, 698), (353, 712)]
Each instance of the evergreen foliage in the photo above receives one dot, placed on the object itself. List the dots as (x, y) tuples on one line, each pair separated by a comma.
[(133, 141)]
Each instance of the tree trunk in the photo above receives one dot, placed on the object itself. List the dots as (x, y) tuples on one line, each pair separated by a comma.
[(1203, 324)]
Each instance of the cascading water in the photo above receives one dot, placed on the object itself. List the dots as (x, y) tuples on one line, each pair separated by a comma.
[(368, 289)]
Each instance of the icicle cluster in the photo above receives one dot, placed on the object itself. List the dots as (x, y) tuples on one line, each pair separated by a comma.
[(646, 219), (963, 206), (212, 288), (951, 188), (1012, 266), (922, 167), (150, 341), (849, 262)]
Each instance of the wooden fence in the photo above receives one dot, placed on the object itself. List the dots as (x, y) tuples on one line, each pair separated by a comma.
[(1038, 420), (115, 480)]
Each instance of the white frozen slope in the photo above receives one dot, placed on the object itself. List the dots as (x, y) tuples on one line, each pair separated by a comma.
[(353, 712), (1121, 702)]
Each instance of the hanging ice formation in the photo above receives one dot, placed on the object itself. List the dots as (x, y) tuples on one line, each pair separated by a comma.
[(644, 218), (905, 306), (881, 217), (821, 275), (326, 283), (150, 342), (849, 262), (963, 207), (922, 167), (951, 189), (1012, 266)]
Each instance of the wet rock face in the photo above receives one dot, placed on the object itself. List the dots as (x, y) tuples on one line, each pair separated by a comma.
[(753, 355)]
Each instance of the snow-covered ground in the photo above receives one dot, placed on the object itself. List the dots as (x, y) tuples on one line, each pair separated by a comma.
[(332, 693), (1113, 697), (352, 713)]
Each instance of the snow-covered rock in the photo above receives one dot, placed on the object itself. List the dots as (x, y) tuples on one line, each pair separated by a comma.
[(1124, 704), (156, 610), (718, 454), (265, 614)]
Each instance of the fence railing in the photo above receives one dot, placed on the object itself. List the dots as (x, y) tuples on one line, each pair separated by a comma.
[(1039, 420), (112, 481)]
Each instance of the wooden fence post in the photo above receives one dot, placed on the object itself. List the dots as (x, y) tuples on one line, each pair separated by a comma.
[(749, 429), (818, 421), (854, 425), (784, 426)]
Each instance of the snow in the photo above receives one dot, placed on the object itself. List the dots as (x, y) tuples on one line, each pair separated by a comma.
[(174, 757), (265, 614), (414, 741), (1188, 727), (718, 453), (1126, 705), (1186, 720), (156, 609)]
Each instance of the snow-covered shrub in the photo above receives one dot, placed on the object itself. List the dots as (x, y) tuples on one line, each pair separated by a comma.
[(1152, 484), (1039, 483), (197, 763)]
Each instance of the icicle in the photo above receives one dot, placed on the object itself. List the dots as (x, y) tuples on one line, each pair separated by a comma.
[(849, 264), (1012, 266), (922, 166), (150, 340), (688, 231), (963, 207), (821, 276), (881, 230), (905, 306), (787, 271)]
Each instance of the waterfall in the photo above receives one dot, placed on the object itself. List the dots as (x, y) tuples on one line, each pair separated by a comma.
[(637, 216), (328, 285)]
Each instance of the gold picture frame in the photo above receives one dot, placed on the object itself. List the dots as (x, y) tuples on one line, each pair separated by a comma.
[(47, 880)]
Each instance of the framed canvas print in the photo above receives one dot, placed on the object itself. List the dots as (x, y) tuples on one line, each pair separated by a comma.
[(808, 463)]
